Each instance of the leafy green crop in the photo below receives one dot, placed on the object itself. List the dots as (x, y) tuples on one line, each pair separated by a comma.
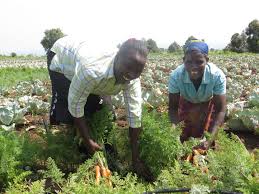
[(159, 143), (101, 125), (14, 157), (230, 167)]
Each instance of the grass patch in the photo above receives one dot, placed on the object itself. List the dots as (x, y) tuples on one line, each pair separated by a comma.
[(10, 76), (22, 57)]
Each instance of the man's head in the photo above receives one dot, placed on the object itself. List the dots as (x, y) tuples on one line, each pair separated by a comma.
[(195, 59), (130, 60)]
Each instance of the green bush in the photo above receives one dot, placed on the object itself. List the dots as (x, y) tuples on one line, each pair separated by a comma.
[(51, 36), (13, 54)]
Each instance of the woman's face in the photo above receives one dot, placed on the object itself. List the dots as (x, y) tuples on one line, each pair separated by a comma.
[(194, 63)]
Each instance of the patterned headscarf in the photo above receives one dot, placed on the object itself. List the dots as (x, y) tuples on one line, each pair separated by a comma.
[(197, 45)]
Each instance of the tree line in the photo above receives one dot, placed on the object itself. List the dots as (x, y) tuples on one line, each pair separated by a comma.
[(246, 41)]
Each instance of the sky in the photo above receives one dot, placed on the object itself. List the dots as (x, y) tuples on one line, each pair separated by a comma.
[(23, 22)]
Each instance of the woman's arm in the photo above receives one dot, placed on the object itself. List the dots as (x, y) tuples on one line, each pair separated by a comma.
[(173, 108), (220, 111)]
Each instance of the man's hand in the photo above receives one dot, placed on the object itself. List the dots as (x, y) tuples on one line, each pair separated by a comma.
[(92, 146), (84, 130), (138, 165), (140, 169)]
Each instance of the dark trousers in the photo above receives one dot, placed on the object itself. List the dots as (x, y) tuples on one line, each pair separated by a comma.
[(59, 112)]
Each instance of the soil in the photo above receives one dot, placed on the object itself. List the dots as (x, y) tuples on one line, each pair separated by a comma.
[(250, 140)]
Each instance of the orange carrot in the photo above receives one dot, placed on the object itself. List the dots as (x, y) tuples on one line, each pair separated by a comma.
[(201, 151), (196, 152), (109, 182), (103, 171), (106, 173), (195, 160), (205, 169), (189, 158), (97, 174)]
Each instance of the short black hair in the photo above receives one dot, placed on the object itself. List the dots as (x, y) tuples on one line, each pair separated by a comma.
[(138, 46)]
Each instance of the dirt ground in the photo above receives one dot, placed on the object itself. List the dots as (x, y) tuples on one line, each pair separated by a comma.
[(250, 140)]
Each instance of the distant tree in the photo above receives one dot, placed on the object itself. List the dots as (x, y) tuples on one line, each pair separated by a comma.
[(252, 32), (51, 36), (238, 43), (188, 41), (162, 49), (151, 45), (13, 54), (174, 47)]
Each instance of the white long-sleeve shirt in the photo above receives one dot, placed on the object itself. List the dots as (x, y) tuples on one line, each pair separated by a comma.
[(91, 70)]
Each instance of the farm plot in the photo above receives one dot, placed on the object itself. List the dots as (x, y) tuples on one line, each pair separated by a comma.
[(37, 158)]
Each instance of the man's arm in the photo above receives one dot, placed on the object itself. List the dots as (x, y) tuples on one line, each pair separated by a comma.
[(134, 136), (133, 105), (133, 102), (81, 86), (138, 165), (173, 108)]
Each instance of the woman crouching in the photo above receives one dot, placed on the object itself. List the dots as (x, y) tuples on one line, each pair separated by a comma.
[(197, 94)]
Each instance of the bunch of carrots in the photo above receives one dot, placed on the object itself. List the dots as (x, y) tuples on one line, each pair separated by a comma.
[(192, 158), (102, 170)]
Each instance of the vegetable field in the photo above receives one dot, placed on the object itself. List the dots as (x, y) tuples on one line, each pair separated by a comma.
[(38, 158)]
